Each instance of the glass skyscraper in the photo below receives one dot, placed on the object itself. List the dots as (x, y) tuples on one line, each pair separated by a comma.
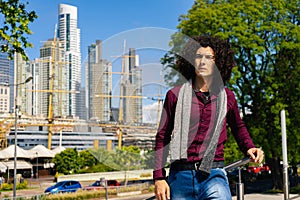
[(69, 36), (99, 84)]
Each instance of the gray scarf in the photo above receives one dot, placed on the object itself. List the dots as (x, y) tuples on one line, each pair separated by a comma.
[(179, 142)]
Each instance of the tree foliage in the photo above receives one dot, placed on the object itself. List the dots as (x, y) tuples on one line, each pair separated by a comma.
[(98, 160), (265, 35), (68, 161), (15, 27)]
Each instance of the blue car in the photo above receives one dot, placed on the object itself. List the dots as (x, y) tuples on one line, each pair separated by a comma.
[(64, 186)]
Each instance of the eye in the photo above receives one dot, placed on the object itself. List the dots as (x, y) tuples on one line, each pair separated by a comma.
[(207, 57), (199, 56)]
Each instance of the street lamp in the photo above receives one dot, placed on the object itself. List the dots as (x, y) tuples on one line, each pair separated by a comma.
[(37, 165), (16, 133)]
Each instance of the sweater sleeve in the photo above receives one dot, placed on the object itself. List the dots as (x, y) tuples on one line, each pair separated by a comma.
[(163, 135), (237, 125)]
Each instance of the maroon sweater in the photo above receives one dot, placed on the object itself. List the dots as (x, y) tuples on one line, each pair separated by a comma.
[(201, 107)]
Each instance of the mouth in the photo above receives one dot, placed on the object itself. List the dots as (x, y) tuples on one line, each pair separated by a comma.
[(201, 69)]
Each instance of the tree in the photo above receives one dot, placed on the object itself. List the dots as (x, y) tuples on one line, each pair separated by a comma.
[(127, 158), (67, 162), (87, 158), (15, 27), (265, 35)]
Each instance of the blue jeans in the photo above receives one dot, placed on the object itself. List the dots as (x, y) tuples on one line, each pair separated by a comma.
[(191, 185)]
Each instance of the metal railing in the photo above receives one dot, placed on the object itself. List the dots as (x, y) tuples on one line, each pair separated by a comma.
[(239, 185)]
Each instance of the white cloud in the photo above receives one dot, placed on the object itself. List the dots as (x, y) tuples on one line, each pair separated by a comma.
[(150, 113)]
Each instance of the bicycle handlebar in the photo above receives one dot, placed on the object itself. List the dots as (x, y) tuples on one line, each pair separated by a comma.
[(237, 163)]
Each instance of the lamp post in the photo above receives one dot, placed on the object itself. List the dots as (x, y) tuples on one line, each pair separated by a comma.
[(37, 165), (16, 133)]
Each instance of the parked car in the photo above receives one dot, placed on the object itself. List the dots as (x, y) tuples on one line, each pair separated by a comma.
[(64, 186), (265, 169), (98, 185), (254, 169)]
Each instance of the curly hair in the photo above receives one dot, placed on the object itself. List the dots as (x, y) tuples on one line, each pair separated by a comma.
[(224, 56)]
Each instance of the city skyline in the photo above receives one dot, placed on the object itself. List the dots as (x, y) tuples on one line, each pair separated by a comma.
[(132, 36)]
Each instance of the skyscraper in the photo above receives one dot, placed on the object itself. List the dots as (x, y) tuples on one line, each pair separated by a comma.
[(132, 87), (21, 74), (50, 67), (99, 84), (6, 79), (69, 35)]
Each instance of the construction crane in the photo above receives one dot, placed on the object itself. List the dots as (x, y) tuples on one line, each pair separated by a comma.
[(5, 126), (51, 91), (120, 125)]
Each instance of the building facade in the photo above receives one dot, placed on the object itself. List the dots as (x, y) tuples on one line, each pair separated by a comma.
[(6, 83), (49, 73), (22, 88), (69, 36), (132, 89), (99, 84), (81, 104), (78, 140)]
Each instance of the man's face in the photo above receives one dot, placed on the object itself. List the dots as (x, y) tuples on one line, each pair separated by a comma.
[(204, 62)]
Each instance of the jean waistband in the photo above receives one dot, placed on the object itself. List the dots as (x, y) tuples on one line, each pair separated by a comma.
[(184, 165)]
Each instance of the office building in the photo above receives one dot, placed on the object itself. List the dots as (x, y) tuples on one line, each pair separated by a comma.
[(132, 88), (49, 73), (81, 104), (6, 83), (22, 71), (69, 35), (99, 84)]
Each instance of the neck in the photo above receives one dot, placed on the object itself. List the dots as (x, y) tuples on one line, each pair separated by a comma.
[(201, 84)]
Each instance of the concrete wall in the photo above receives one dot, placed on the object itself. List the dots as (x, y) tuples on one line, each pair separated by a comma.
[(119, 175)]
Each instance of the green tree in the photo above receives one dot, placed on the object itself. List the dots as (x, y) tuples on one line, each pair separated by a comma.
[(87, 158), (68, 161), (102, 156), (265, 36), (14, 30), (126, 158)]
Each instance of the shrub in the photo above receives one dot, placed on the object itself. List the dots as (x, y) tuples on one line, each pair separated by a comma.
[(6, 186), (23, 185)]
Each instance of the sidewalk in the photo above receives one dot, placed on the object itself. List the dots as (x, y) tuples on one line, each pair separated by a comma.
[(254, 196), (267, 196)]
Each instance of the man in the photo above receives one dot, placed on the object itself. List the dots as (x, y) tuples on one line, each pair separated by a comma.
[(193, 125)]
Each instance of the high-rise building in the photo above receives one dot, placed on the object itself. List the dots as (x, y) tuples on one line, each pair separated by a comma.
[(69, 35), (81, 104), (21, 74), (132, 88), (99, 84), (49, 72), (6, 82)]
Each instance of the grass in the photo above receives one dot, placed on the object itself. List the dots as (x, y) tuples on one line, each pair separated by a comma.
[(293, 190)]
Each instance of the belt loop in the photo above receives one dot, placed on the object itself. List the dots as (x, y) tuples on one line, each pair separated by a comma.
[(197, 165)]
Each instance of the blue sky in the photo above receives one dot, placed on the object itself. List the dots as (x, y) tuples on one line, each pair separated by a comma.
[(101, 19)]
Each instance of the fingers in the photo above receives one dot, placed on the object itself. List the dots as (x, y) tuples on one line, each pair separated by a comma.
[(168, 193), (256, 154), (162, 190), (260, 155)]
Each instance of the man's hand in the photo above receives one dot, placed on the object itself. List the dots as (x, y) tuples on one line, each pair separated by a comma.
[(256, 154), (162, 190)]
